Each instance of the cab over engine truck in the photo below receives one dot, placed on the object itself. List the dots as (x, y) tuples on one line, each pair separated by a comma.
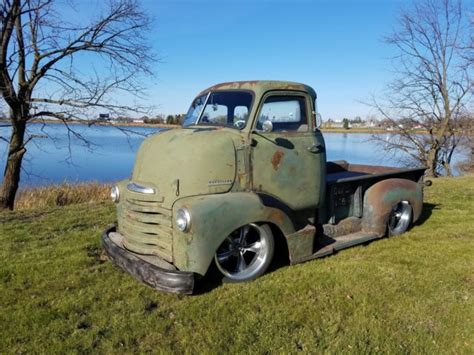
[(249, 169)]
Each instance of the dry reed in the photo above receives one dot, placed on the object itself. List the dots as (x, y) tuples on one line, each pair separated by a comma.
[(61, 195)]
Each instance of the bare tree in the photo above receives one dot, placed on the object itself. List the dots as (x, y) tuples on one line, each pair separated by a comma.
[(433, 89), (52, 65)]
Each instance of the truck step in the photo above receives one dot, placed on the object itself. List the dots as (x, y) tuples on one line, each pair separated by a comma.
[(332, 245)]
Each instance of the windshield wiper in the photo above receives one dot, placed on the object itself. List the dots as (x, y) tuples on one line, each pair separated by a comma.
[(203, 107)]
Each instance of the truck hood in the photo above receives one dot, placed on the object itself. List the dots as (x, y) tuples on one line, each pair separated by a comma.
[(187, 162)]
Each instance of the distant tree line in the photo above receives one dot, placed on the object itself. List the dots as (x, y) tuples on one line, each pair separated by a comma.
[(169, 119)]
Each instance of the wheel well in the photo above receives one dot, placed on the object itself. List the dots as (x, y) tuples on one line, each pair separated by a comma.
[(380, 198), (282, 254)]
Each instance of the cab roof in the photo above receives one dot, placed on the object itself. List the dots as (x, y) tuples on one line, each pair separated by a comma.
[(262, 86)]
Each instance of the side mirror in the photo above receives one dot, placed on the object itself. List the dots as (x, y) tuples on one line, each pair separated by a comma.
[(240, 124), (319, 120), (267, 126)]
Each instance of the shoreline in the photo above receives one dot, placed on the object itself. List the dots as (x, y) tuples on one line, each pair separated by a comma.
[(108, 124), (165, 125), (361, 130)]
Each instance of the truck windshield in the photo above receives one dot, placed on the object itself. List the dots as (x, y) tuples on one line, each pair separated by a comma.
[(220, 108)]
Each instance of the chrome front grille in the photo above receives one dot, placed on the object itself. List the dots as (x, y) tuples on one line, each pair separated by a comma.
[(146, 226)]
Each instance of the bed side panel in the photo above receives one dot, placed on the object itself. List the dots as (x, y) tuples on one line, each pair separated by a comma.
[(381, 197)]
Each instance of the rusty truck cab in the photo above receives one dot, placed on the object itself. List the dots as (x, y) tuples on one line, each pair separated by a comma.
[(248, 165)]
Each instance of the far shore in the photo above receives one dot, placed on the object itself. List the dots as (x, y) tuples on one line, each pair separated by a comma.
[(361, 130), (165, 125), (120, 124)]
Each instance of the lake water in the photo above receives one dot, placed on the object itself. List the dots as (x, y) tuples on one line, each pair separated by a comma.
[(112, 153)]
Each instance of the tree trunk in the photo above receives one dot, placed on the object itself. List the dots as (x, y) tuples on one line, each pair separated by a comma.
[(449, 157), (431, 162), (472, 157), (11, 175), (447, 168)]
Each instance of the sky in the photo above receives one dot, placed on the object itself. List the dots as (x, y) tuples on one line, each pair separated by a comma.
[(334, 46)]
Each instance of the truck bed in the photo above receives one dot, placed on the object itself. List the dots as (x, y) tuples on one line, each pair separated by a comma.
[(340, 218), (346, 184), (341, 171)]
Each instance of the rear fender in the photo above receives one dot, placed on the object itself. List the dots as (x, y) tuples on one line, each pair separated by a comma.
[(381, 197), (213, 218)]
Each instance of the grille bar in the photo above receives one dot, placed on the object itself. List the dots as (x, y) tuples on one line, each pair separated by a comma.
[(146, 226), (149, 218), (144, 238), (145, 249), (152, 207), (150, 229)]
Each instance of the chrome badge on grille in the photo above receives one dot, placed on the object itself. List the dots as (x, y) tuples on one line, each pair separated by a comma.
[(140, 189)]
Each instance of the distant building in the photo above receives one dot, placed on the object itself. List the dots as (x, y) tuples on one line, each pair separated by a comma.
[(336, 124), (104, 117), (371, 123), (123, 119)]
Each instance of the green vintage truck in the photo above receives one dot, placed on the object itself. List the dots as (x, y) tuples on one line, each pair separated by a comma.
[(245, 174)]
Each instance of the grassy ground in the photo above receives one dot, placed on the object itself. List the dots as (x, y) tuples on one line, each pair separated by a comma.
[(412, 293)]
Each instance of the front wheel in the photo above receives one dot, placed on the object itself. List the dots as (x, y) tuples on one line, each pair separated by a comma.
[(246, 253), (400, 218)]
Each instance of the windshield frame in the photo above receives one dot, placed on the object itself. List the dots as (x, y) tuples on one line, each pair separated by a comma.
[(208, 95)]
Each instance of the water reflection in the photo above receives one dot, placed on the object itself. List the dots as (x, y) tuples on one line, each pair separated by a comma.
[(107, 155)]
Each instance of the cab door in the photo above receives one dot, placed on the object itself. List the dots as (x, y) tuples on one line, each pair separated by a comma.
[(288, 160)]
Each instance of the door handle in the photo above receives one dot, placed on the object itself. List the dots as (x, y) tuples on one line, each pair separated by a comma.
[(315, 148)]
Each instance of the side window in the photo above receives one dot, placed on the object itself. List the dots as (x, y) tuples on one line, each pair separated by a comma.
[(287, 113), (241, 113)]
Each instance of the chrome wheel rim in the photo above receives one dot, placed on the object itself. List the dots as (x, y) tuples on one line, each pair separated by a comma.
[(243, 253), (400, 218)]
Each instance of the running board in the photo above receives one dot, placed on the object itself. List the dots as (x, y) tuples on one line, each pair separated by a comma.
[(331, 245)]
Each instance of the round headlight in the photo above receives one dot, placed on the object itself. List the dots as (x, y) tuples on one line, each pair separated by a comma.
[(183, 219), (115, 194)]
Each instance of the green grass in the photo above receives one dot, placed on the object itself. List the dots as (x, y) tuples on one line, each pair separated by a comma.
[(412, 293)]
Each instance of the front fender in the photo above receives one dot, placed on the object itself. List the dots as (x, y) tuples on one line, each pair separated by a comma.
[(213, 218), (380, 198)]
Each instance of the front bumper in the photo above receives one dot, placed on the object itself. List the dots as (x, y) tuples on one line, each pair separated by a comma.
[(145, 268)]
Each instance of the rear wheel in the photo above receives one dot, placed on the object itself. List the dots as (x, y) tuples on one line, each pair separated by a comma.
[(400, 218), (246, 253)]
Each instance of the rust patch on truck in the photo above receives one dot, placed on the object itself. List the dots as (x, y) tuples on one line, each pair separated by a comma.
[(276, 159), (301, 243), (231, 85), (277, 216)]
